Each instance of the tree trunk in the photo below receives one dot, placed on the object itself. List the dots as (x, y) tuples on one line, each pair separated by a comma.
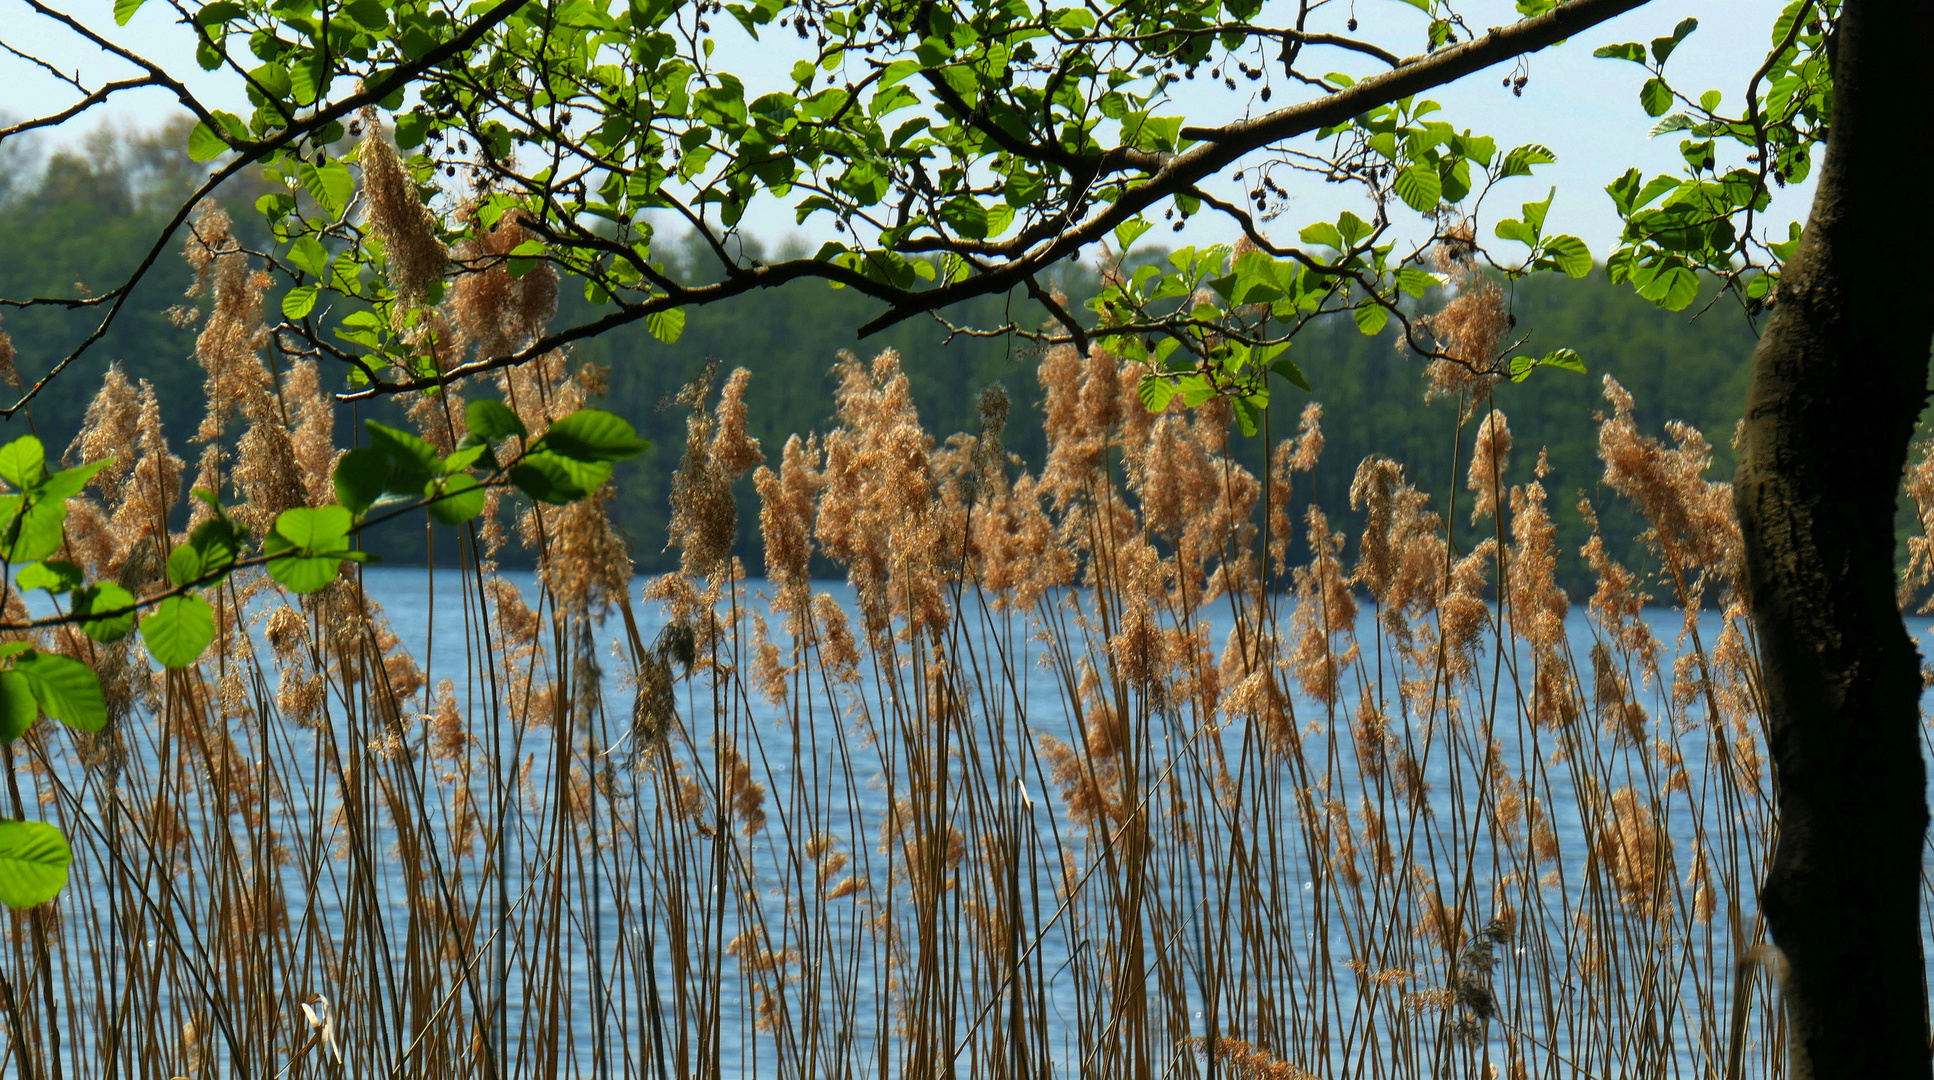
[(1838, 381)]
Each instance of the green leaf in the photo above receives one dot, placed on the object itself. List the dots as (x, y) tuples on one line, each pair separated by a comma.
[(105, 596), (1130, 231), (35, 534), (53, 575), (1287, 368), (462, 499), (1513, 229), (329, 184), (68, 483), (308, 255), (470, 449), (18, 709), (309, 77), (1352, 228), (22, 462), (1662, 46), (314, 528), (362, 475), (1370, 316), (179, 628), (184, 565), (492, 420), (300, 573), (1567, 359), (1155, 391), (1674, 289), (552, 478), (411, 128), (1521, 159), (34, 857), (1415, 281), (412, 461), (1322, 233), (1630, 50), (593, 435), (667, 325), (1570, 255), (67, 689), (219, 12), (1624, 191), (209, 552), (999, 217), (1655, 97), (204, 144), (1419, 187), (125, 9), (298, 302), (523, 258), (1535, 212)]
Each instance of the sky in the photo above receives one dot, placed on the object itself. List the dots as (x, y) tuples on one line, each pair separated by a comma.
[(1584, 109)]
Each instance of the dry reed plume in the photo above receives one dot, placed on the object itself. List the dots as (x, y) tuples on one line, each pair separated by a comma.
[(1084, 771)]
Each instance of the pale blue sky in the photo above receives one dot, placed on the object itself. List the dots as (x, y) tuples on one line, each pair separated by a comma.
[(1584, 109)]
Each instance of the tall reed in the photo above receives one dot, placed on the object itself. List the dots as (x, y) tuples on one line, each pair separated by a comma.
[(1115, 768)]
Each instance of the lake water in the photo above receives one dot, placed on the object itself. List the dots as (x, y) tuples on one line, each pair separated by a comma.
[(424, 610)]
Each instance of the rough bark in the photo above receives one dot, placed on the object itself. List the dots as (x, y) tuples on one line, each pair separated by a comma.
[(1838, 381)]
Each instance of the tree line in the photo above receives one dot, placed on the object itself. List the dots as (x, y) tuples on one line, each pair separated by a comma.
[(96, 204)]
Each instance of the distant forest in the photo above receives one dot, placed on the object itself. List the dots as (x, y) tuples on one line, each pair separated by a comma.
[(81, 218)]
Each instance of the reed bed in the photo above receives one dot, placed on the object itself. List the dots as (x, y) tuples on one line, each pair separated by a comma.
[(1114, 768)]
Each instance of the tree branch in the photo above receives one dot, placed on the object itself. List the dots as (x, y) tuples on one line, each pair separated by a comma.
[(1218, 148)]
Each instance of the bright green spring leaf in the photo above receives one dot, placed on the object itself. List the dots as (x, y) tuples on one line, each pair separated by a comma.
[(1155, 391), (309, 256), (34, 857), (22, 462), (53, 575), (105, 596), (1564, 359), (1419, 187), (412, 461), (330, 185), (593, 435), (1370, 316), (556, 479), (303, 574), (1287, 368), (36, 533), (458, 499), (314, 528), (362, 475), (184, 565), (1520, 161), (1569, 254), (18, 709), (667, 326), (1662, 46), (298, 302), (67, 689), (204, 144), (492, 420), (67, 483), (1655, 97), (1630, 50), (178, 629)]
